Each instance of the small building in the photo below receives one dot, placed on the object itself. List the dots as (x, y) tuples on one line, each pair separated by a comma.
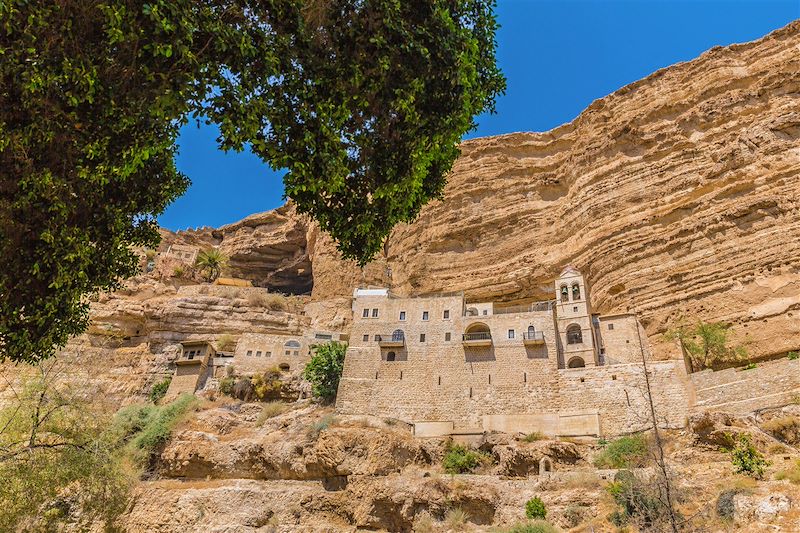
[(192, 367), (257, 352), (183, 252)]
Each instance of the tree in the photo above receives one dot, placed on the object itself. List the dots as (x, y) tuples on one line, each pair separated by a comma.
[(211, 262), (364, 102), (325, 369), (706, 344)]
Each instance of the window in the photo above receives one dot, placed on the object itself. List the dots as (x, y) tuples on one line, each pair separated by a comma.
[(575, 309), (287, 352), (511, 334), (377, 338), (365, 313), (576, 291), (391, 356), (471, 311), (258, 353), (402, 315), (191, 355), (564, 293), (446, 314), (374, 313), (249, 353), (485, 312), (296, 352), (421, 337), (292, 344), (424, 315), (366, 338), (611, 326), (323, 336), (576, 362), (574, 335), (267, 354), (447, 336)]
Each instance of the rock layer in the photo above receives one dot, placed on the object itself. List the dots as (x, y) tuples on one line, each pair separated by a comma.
[(676, 195)]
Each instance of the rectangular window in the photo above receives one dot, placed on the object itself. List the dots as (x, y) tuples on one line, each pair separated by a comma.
[(611, 326), (258, 353), (485, 312), (287, 352), (402, 315), (424, 315), (575, 309), (447, 336), (446, 314), (366, 338), (421, 337), (511, 334), (249, 353), (377, 338), (365, 313), (374, 313), (268, 354)]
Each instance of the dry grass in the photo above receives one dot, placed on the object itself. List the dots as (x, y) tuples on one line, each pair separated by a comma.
[(225, 342), (792, 473), (271, 410), (785, 429), (456, 519), (534, 436), (423, 523), (273, 301)]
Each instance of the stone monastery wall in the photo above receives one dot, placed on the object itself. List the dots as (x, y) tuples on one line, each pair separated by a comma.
[(770, 384), (440, 363)]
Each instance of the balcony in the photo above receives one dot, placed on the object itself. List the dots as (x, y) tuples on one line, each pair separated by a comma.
[(532, 338), (392, 340), (477, 338)]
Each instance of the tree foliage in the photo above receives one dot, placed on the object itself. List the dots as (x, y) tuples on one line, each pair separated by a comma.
[(363, 102), (210, 263), (707, 344), (325, 369)]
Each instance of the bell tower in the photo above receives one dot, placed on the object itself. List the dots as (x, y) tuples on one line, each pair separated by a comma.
[(574, 319)]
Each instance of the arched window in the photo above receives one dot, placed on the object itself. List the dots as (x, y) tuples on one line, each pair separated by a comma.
[(471, 311), (574, 334), (398, 335), (292, 344), (283, 367), (477, 331), (576, 362), (391, 356), (576, 291), (531, 330), (564, 293)]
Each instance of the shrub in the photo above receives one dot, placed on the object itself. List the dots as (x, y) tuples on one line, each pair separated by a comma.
[(785, 429), (325, 369), (573, 515), (707, 344), (792, 474), (624, 452), (179, 272), (423, 523), (537, 526), (639, 501), (146, 427), (225, 342), (159, 390), (320, 425), (462, 460), (793, 355), (534, 508), (271, 410), (267, 386), (750, 366), (534, 436), (746, 458), (456, 519), (226, 385)]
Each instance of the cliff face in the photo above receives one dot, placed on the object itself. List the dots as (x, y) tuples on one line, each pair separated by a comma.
[(676, 195)]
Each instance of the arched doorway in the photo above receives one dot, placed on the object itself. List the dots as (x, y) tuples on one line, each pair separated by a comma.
[(574, 334), (391, 356), (576, 362)]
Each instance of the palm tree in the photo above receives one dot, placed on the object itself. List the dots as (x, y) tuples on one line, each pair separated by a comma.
[(211, 262)]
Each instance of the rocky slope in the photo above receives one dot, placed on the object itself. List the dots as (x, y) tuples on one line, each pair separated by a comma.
[(677, 195)]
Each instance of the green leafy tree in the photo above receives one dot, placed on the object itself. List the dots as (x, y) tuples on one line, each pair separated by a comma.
[(706, 344), (210, 263), (325, 369), (364, 102), (747, 459)]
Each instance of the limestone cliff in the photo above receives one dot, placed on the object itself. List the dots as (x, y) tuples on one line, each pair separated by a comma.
[(676, 195)]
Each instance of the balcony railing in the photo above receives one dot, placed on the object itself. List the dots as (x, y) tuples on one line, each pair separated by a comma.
[(530, 308), (533, 336), (477, 336), (392, 339)]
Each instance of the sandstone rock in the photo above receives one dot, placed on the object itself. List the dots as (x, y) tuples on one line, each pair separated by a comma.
[(762, 508)]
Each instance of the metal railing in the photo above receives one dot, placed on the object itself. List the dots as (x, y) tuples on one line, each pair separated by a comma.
[(533, 335), (530, 308), (477, 336), (391, 337)]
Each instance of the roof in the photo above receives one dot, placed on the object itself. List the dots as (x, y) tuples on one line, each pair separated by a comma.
[(570, 270)]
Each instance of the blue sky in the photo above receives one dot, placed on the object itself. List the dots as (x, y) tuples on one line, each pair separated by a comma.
[(558, 56)]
